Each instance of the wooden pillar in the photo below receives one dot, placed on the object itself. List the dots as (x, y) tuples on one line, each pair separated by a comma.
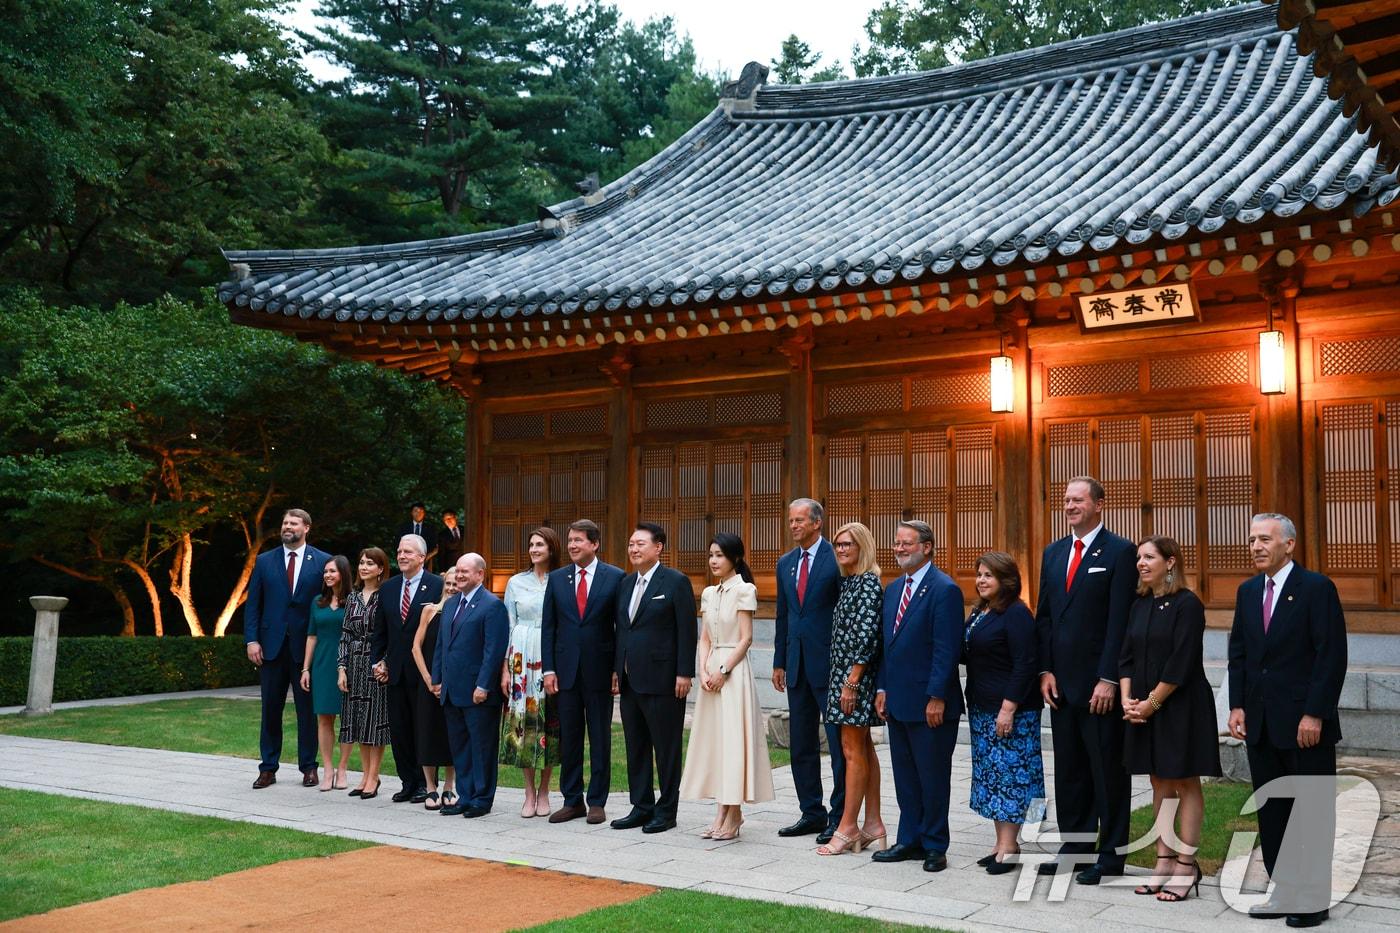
[(1282, 473), (622, 462), (1015, 502), (800, 455), (466, 379)]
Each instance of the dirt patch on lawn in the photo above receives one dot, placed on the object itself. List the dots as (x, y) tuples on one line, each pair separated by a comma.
[(383, 888)]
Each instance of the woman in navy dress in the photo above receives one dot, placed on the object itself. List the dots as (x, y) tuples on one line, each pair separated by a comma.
[(1172, 735), (1003, 707)]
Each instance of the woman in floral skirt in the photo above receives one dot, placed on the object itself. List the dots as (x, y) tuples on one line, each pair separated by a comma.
[(530, 730)]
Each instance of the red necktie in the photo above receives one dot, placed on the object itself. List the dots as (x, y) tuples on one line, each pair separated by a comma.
[(903, 602), (403, 603), (582, 593), (1268, 605), (1074, 563), (802, 579), (292, 571)]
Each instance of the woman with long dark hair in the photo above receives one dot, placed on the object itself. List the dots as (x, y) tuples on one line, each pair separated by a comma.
[(364, 715), (319, 675), (727, 758)]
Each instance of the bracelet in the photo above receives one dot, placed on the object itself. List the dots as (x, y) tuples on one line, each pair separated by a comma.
[(850, 685), (1156, 704)]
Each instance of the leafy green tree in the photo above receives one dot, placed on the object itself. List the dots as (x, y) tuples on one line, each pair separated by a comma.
[(917, 35), (146, 135), (134, 439), (797, 64)]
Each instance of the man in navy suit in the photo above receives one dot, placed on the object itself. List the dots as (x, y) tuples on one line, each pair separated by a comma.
[(284, 582), (919, 695), (576, 647), (808, 586), (1088, 581), (395, 622), (1288, 658), (466, 675), (655, 664)]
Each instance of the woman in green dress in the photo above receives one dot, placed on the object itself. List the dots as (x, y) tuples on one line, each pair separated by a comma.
[(320, 675)]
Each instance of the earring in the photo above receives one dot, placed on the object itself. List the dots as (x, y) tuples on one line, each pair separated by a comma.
[(1169, 577)]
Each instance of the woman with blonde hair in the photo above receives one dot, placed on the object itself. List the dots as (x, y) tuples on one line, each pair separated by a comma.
[(850, 703), (429, 723)]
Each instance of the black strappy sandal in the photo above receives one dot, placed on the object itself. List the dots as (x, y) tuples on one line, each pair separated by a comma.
[(1168, 896), (1150, 888)]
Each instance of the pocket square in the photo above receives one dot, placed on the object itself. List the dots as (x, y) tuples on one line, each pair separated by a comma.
[(662, 596), (1098, 570)]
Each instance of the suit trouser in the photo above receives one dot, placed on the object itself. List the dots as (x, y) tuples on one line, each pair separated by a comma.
[(401, 734), (595, 707), (922, 760), (474, 733), (1298, 861), (806, 708), (275, 676), (1089, 745), (652, 722)]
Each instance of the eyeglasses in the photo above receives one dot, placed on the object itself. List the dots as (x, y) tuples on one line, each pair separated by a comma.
[(843, 545)]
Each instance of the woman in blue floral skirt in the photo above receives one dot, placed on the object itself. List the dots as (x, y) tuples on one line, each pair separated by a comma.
[(1003, 706)]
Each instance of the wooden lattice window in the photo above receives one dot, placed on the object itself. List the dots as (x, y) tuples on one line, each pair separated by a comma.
[(881, 478), (530, 490), (536, 425), (906, 393), (695, 489), (1358, 488), (1188, 475)]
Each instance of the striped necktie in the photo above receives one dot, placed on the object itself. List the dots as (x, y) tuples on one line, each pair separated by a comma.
[(903, 602)]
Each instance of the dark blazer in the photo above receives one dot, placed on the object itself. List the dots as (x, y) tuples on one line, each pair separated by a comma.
[(1002, 662), (921, 659), (580, 651), (659, 644), (470, 652), (272, 611), (426, 529), (392, 639), (450, 548), (1296, 669), (1081, 632), (802, 636)]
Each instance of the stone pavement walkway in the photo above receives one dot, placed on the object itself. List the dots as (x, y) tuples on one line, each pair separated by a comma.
[(759, 865)]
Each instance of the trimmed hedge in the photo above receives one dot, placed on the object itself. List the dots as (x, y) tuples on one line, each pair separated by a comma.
[(106, 666)]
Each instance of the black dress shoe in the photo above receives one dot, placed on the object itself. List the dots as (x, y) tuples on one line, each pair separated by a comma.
[(1307, 920), (935, 862), (899, 853), (1096, 873), (456, 809), (659, 825), (632, 820), (1267, 911), (472, 813), (805, 827), (403, 796), (1047, 868), (826, 835), (419, 796)]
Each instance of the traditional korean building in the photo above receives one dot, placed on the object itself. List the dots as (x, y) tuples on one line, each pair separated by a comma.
[(1165, 257)]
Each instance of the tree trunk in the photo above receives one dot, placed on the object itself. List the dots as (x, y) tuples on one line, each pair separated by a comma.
[(240, 591), (108, 583), (181, 570), (152, 593)]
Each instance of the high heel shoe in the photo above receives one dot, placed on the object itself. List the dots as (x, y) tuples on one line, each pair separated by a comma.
[(339, 782), (371, 794), (847, 844), (1168, 896), (868, 841), (1149, 887), (722, 835)]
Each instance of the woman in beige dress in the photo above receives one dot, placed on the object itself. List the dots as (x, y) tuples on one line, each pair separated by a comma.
[(727, 758)]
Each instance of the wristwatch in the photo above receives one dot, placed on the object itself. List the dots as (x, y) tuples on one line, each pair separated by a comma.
[(724, 670)]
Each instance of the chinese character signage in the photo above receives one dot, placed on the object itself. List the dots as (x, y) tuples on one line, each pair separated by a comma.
[(1158, 304)]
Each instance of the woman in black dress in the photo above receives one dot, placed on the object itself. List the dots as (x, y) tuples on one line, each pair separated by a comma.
[(850, 695), (429, 722), (1170, 709), (364, 712)]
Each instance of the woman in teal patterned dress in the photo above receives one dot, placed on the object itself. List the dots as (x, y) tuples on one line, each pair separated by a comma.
[(319, 675), (530, 730)]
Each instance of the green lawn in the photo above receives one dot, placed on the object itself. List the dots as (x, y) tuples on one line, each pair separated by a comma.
[(61, 851), (1222, 821), (225, 727), (685, 911)]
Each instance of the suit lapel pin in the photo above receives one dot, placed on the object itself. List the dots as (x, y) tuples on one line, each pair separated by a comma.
[(1096, 553), (1290, 599)]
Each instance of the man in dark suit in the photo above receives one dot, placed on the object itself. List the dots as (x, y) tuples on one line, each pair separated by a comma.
[(1088, 581), (1288, 658), (450, 540), (284, 582), (466, 675), (808, 586), (419, 525), (919, 695), (576, 640), (655, 663), (401, 602)]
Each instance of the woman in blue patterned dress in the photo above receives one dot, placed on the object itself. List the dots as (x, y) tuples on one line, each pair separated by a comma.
[(1003, 707), (850, 695), (530, 730)]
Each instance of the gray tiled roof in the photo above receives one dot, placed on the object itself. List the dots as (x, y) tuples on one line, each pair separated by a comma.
[(1164, 131)]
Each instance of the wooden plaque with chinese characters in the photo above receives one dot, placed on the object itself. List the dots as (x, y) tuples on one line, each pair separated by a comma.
[(1137, 307)]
